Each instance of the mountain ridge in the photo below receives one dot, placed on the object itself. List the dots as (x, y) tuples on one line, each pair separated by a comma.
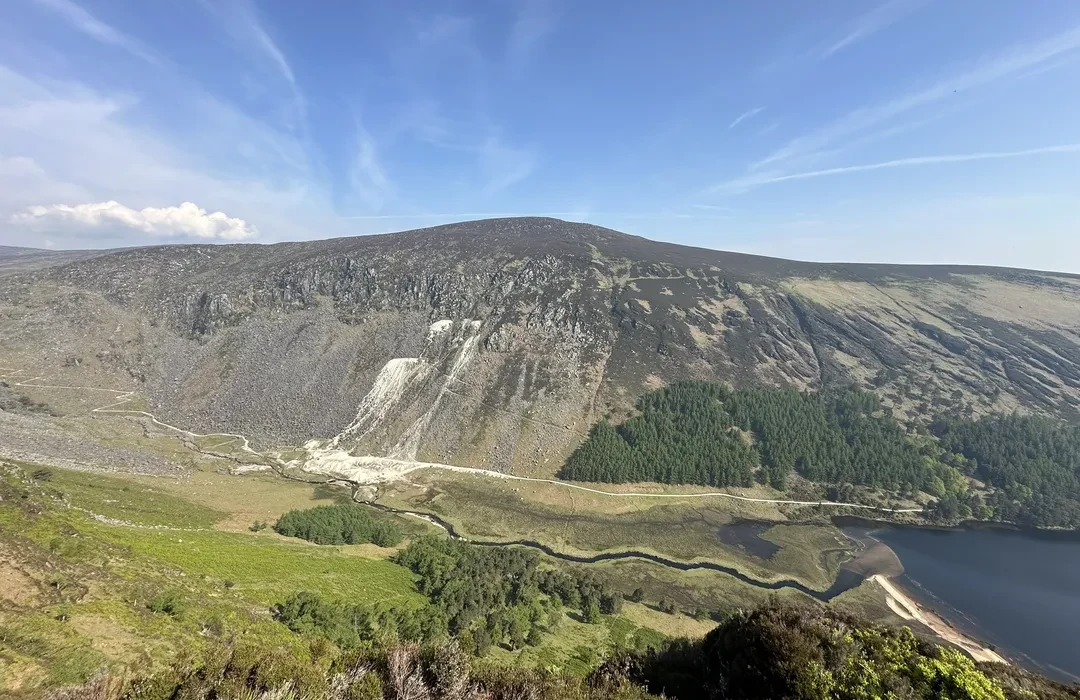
[(543, 327), (545, 224)]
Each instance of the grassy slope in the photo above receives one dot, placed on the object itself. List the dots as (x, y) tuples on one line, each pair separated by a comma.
[(91, 580), (75, 589)]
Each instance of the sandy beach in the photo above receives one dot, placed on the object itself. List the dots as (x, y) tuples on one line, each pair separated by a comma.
[(908, 609)]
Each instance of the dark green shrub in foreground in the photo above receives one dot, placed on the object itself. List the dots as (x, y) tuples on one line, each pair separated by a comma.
[(338, 524), (803, 652), (169, 603)]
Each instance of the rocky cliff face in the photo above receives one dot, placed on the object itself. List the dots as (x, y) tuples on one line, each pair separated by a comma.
[(497, 343)]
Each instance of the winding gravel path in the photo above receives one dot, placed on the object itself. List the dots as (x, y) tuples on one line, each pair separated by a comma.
[(396, 468)]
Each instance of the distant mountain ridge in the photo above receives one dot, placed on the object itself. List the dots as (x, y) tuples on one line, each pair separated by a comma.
[(497, 343)]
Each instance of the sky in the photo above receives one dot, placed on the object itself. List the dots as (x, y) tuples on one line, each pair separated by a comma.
[(943, 131)]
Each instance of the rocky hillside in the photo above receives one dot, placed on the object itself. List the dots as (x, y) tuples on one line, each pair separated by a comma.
[(496, 343)]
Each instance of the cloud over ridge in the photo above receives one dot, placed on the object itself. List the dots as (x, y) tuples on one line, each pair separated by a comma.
[(185, 221)]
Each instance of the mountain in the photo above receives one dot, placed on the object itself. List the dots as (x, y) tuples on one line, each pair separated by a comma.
[(14, 259), (497, 343)]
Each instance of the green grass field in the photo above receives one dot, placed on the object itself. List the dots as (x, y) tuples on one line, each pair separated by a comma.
[(119, 499), (576, 647), (77, 590), (76, 593), (266, 569)]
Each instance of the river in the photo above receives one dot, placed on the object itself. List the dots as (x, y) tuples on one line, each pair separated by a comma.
[(1017, 590), (846, 579)]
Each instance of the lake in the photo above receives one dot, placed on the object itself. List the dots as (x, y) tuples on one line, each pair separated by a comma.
[(1019, 591)]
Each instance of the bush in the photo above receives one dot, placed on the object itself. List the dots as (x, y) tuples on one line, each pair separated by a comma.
[(169, 603), (783, 650)]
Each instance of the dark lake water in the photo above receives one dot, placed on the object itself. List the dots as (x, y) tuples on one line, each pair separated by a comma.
[(747, 535), (1017, 590)]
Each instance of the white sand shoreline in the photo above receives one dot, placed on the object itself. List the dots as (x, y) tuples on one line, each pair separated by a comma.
[(908, 609)]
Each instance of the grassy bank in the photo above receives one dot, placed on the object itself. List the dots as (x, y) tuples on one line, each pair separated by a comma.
[(579, 523)]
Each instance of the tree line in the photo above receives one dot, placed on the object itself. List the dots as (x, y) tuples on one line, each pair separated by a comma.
[(481, 596), (338, 524), (1032, 462), (696, 432)]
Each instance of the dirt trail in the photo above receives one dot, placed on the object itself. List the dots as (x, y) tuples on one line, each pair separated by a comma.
[(374, 470), (908, 609), (124, 397), (331, 462)]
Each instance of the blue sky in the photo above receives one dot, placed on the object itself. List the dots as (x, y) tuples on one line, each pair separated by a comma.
[(884, 130)]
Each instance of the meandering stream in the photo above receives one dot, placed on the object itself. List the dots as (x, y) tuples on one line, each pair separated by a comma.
[(846, 579)]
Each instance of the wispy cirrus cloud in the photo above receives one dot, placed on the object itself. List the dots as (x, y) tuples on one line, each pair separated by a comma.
[(503, 165), (534, 22), (749, 182), (241, 20), (870, 23), (445, 73), (748, 114), (76, 16), (367, 176), (1010, 64)]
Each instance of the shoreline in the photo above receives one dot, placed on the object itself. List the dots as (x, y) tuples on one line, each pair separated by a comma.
[(848, 520), (901, 604)]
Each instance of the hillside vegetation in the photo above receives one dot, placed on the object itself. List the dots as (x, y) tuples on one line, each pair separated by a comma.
[(1032, 462), (480, 596), (150, 603), (775, 651), (801, 653), (338, 524), (101, 574), (702, 433)]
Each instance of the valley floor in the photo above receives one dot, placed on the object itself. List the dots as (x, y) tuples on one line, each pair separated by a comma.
[(175, 513)]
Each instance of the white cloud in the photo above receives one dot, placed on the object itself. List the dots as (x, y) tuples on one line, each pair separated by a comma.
[(751, 181), (872, 22), (744, 116), (66, 142), (1012, 63), (86, 23), (184, 221)]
